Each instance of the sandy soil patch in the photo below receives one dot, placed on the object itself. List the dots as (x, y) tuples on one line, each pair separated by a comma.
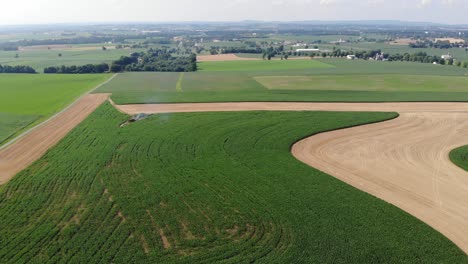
[(22, 153), (222, 57), (404, 161)]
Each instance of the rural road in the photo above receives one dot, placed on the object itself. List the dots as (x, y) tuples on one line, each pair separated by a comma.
[(404, 161)]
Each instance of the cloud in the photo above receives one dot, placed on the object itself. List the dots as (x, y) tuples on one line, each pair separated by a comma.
[(375, 2), (424, 3), (328, 2), (450, 2)]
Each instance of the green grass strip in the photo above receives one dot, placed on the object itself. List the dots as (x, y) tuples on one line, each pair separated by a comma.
[(179, 82), (459, 156)]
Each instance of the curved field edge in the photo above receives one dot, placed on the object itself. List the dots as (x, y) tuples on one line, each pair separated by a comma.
[(459, 156), (201, 188)]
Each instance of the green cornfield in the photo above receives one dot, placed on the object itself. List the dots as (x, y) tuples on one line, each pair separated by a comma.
[(203, 188)]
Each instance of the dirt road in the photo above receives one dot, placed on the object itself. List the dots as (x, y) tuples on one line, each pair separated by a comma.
[(23, 152), (403, 161), (281, 106)]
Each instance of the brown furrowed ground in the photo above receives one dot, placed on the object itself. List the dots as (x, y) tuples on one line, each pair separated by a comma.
[(20, 154), (404, 161)]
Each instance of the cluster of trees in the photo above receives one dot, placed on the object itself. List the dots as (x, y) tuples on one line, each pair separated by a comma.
[(88, 68), (256, 50), (157, 60), (437, 44), (16, 69), (422, 57)]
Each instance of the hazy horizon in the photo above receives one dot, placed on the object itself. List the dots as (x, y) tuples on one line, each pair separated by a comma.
[(122, 11)]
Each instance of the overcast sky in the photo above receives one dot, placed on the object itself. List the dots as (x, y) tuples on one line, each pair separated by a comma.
[(59, 11)]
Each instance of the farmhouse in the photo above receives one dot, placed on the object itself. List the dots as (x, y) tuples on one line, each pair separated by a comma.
[(351, 57), (447, 57)]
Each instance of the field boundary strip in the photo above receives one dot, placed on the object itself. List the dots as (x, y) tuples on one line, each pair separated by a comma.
[(10, 142), (179, 83), (18, 156)]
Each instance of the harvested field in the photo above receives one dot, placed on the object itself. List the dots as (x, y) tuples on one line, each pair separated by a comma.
[(404, 161), (282, 106), (222, 57), (22, 153)]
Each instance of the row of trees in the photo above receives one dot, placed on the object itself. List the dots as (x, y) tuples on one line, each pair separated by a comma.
[(16, 69), (88, 68), (157, 60), (437, 44)]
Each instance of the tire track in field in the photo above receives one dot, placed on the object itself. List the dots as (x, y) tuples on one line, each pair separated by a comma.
[(404, 161)]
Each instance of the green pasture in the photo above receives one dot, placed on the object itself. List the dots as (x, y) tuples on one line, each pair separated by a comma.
[(40, 59), (459, 156), (10, 124), (27, 99), (389, 82), (203, 188), (344, 81)]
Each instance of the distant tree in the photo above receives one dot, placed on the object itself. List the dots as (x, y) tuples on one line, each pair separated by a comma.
[(450, 62), (60, 54), (264, 55), (16, 55), (286, 56), (269, 56), (465, 64), (458, 63), (104, 48), (324, 55)]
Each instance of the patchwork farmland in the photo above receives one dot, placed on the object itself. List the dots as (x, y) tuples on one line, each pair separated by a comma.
[(245, 160)]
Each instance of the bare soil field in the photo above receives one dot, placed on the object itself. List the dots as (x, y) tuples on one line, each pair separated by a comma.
[(222, 57), (285, 106), (22, 153), (404, 161)]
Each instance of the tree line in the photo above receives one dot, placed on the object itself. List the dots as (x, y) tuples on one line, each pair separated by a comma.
[(437, 44), (88, 68), (156, 60), (16, 69)]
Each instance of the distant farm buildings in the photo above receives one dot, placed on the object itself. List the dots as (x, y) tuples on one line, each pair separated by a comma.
[(307, 50), (351, 57), (447, 57)]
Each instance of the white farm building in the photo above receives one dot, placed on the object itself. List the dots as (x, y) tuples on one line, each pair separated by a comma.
[(308, 50)]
